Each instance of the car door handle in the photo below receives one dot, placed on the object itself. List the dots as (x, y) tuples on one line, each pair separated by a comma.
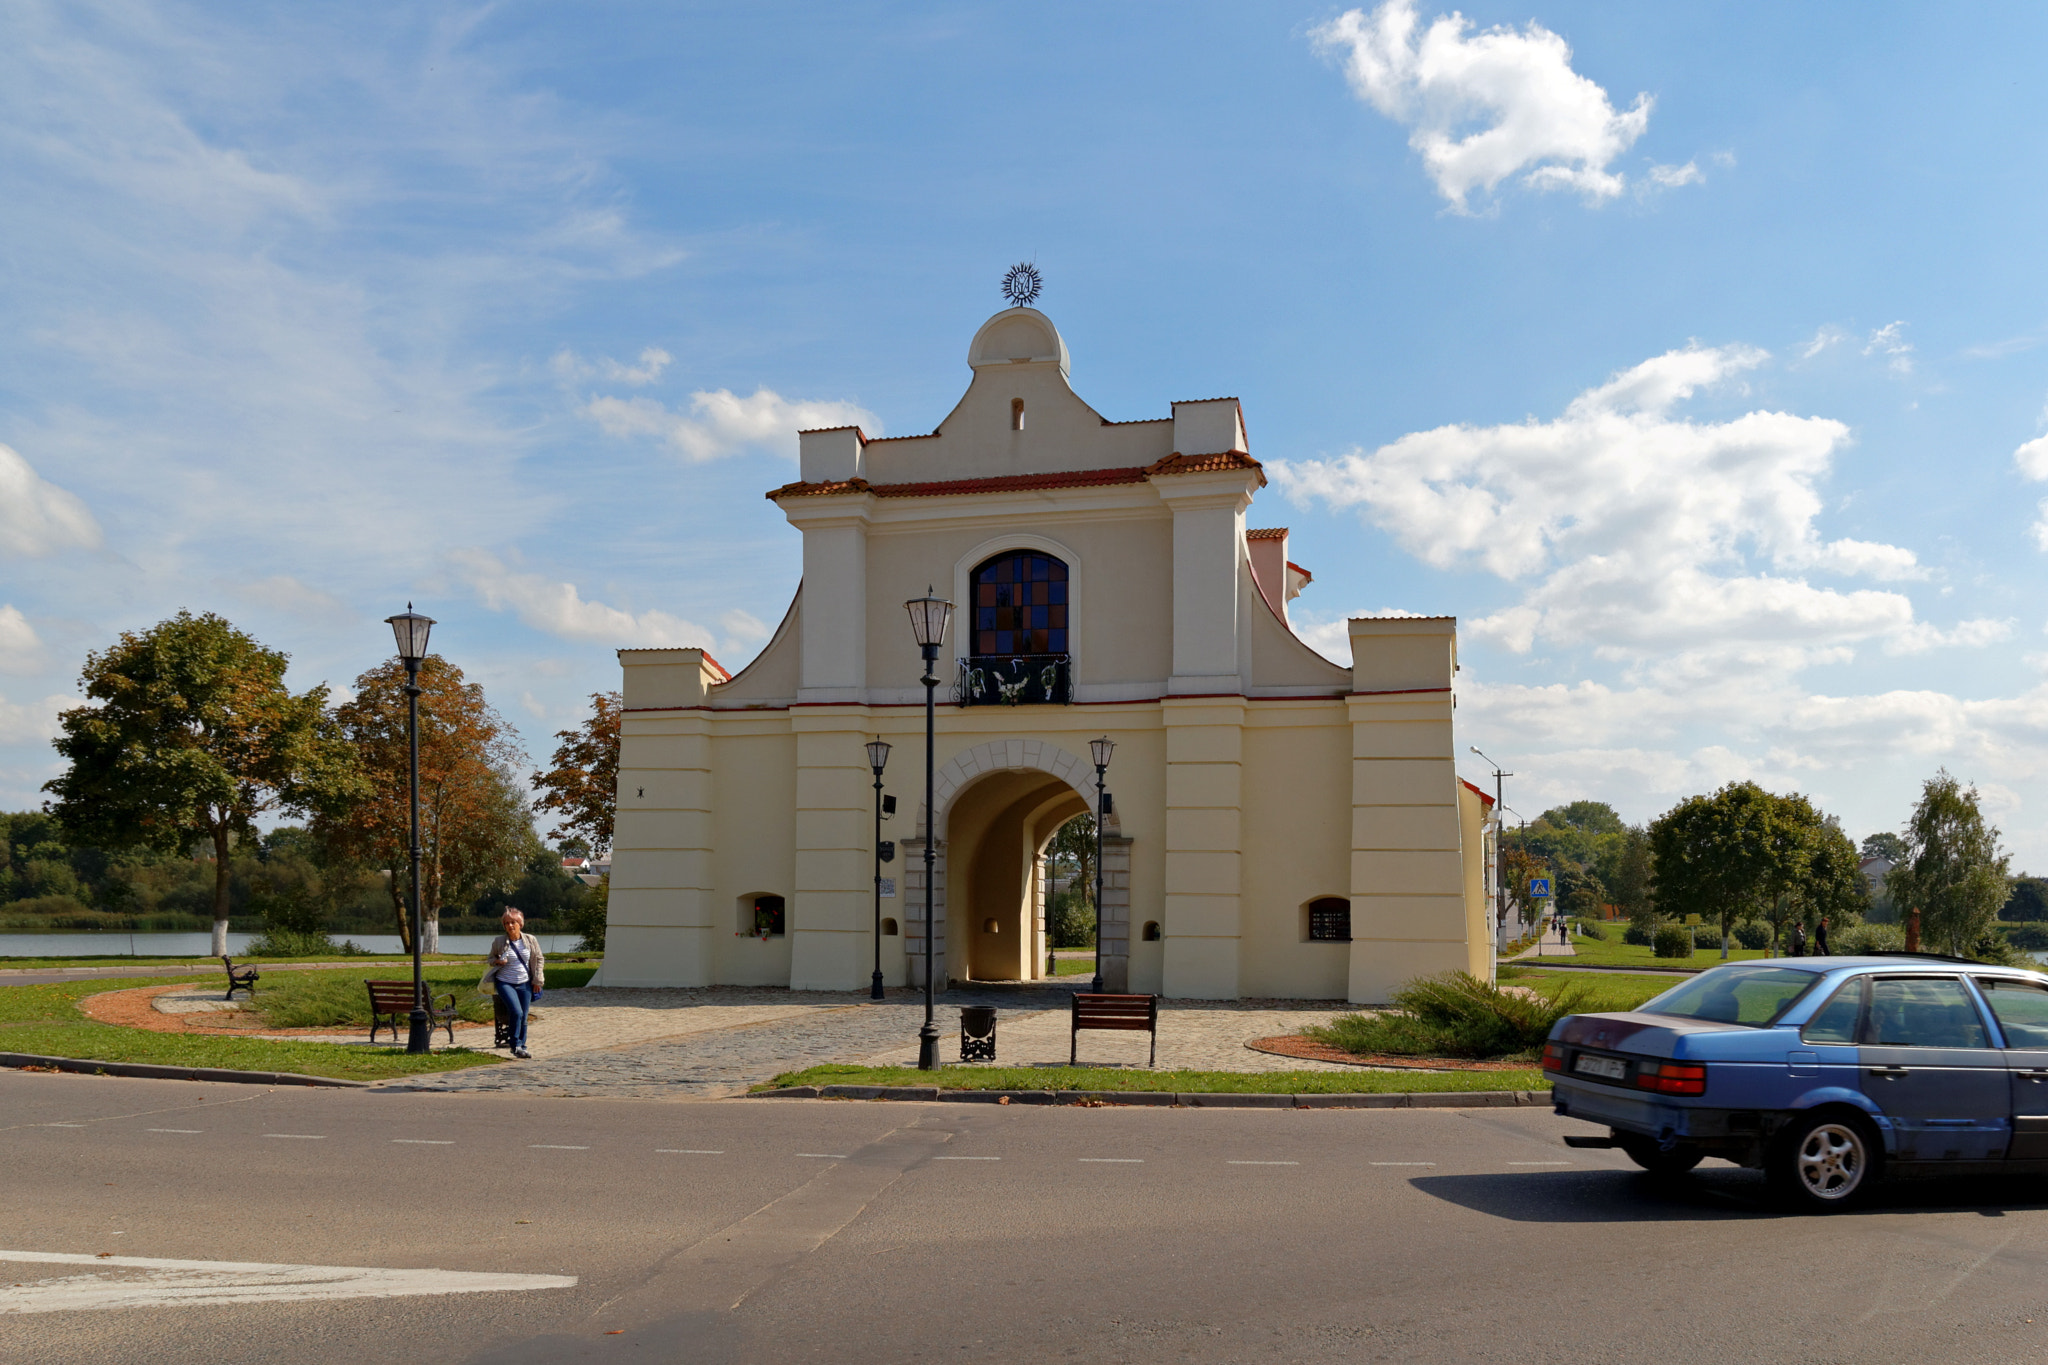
[(1890, 1073), (2034, 1075)]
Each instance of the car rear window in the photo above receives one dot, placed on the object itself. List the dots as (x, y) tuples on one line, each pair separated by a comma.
[(1752, 995), (2021, 1007)]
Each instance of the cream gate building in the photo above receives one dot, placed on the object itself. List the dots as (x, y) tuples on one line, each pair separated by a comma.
[(1284, 826)]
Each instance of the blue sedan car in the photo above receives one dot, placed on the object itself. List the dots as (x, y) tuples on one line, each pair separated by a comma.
[(1825, 1072)]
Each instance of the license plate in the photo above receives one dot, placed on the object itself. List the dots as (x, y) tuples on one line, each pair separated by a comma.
[(1605, 1067)]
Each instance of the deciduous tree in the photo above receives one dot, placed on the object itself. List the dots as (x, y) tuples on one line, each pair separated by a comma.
[(582, 789), (1954, 871), (475, 831), (195, 736)]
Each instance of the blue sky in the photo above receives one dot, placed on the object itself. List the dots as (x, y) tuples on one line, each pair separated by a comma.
[(1691, 357)]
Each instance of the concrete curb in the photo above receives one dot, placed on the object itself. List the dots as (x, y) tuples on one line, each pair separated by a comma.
[(1439, 1099), (151, 1071)]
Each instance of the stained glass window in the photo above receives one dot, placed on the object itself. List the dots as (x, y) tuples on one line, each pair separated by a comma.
[(1020, 605)]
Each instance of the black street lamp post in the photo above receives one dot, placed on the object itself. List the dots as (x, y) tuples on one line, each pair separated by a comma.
[(929, 616), (411, 629), (1100, 749), (878, 759)]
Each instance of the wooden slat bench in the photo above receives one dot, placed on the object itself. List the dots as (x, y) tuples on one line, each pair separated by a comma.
[(1132, 1013), (393, 1000), (240, 979)]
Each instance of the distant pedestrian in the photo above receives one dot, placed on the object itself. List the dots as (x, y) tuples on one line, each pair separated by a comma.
[(1564, 930), (1820, 937), (1799, 940), (516, 973)]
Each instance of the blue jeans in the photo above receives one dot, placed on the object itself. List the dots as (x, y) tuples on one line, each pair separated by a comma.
[(518, 1000)]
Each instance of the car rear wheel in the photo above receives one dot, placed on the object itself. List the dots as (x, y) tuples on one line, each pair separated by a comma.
[(1646, 1153), (1820, 1163)]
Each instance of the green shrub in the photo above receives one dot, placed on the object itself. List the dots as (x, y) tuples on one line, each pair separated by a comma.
[(1073, 920), (1753, 934), (1994, 949), (1859, 939), (2032, 937), (1592, 929), (1637, 933), (586, 918), (278, 942), (1454, 1015), (1672, 940)]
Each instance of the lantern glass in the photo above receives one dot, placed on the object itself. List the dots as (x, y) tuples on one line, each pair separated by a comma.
[(878, 756), (1102, 749), (411, 630), (929, 616)]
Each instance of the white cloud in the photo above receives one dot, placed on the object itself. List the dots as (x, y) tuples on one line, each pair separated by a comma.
[(1889, 340), (282, 592), (1332, 639), (32, 721), (1972, 634), (1638, 530), (20, 650), (1483, 106), (36, 516), (559, 609), (572, 368), (1828, 335), (720, 422), (1671, 177), (2032, 458)]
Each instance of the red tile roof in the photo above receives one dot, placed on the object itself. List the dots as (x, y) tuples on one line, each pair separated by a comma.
[(1306, 576), (1017, 483), (1267, 533)]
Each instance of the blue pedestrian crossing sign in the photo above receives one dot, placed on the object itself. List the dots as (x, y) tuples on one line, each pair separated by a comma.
[(1539, 886)]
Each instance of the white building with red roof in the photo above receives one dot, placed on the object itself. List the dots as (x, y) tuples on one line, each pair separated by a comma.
[(1284, 825)]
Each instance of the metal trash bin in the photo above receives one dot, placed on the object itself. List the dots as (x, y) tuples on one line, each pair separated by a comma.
[(977, 1033)]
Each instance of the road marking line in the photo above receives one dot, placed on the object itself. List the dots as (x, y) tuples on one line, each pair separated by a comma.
[(1539, 1163), (690, 1151), (186, 1283), (63, 1125), (307, 1137), (1115, 1160), (1264, 1163), (825, 1156), (553, 1147), (426, 1142), (174, 1130), (966, 1158), (1404, 1163)]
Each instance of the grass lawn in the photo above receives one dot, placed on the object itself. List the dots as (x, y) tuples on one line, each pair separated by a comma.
[(212, 964), (320, 999), (1612, 952), (46, 1021), (1605, 992), (1073, 966), (1118, 1078)]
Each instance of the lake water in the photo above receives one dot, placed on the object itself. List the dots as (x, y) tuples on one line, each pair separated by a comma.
[(101, 943)]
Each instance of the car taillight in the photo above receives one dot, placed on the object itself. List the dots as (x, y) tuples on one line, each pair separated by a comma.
[(1553, 1057), (1672, 1078)]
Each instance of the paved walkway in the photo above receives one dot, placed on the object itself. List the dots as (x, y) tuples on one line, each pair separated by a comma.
[(720, 1040)]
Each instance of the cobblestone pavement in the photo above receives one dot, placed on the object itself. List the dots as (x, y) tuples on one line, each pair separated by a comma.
[(718, 1041)]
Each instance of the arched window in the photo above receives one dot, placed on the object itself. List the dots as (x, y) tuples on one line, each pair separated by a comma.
[(1020, 605)]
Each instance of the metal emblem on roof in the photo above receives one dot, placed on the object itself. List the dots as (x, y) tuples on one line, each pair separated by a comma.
[(1021, 285)]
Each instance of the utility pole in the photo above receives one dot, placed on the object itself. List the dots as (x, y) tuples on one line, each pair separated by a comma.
[(1500, 811)]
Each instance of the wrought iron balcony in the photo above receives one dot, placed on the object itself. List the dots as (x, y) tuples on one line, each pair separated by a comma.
[(1015, 680)]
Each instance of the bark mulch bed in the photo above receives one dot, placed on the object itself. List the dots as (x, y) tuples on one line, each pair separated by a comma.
[(132, 1009), (1308, 1049)]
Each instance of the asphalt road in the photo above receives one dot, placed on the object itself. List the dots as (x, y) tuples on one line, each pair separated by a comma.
[(788, 1230)]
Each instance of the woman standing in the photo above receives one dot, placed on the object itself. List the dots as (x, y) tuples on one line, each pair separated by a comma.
[(517, 972)]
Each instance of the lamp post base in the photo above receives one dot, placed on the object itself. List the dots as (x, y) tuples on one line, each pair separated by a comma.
[(1095, 986), (421, 1035), (928, 1047), (875, 993)]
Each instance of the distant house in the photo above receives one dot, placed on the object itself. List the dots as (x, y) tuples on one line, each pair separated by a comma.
[(1874, 871)]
